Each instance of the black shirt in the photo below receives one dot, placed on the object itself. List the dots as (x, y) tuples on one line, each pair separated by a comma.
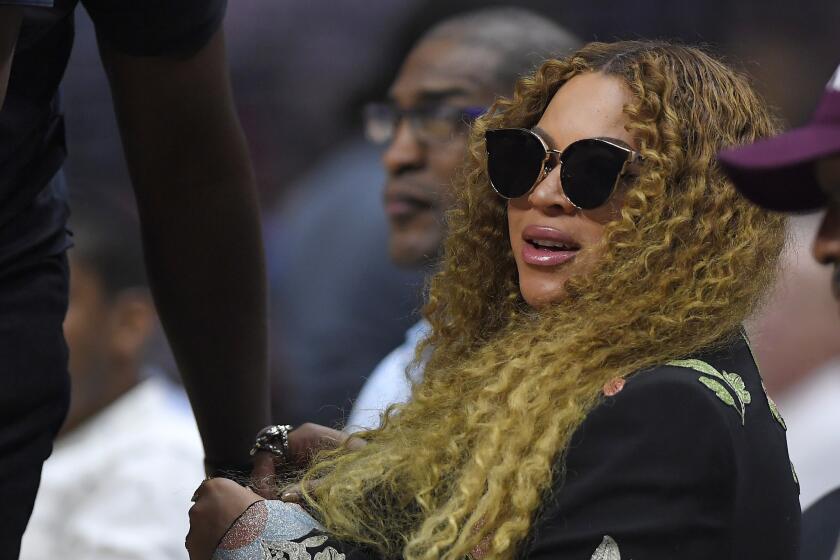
[(32, 144)]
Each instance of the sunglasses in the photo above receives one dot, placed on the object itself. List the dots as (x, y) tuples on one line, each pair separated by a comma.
[(590, 169)]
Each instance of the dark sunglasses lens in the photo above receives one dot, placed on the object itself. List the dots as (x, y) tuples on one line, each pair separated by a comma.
[(590, 171), (514, 160)]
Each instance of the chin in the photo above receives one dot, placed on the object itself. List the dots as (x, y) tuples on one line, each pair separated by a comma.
[(542, 295), (411, 256), (413, 250), (541, 302), (409, 261)]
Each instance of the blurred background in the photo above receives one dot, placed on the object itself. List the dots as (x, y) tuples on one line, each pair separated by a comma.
[(301, 73), (302, 70)]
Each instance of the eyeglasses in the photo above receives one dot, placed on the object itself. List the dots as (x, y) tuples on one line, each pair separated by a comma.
[(434, 124), (590, 169)]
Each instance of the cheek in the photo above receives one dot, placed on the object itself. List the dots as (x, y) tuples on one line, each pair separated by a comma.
[(587, 260), (830, 225), (592, 237), (514, 223), (444, 162)]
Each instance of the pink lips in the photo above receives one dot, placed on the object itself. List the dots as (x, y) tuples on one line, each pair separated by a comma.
[(540, 247)]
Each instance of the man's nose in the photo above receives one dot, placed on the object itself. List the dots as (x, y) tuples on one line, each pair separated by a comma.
[(404, 152), (826, 247)]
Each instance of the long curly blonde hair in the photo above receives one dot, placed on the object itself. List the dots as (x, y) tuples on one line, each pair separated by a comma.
[(470, 457)]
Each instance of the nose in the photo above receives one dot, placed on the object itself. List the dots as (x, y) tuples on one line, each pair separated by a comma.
[(404, 153), (826, 247), (548, 195)]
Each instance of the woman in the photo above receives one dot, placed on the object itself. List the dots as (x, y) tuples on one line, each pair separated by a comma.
[(589, 393)]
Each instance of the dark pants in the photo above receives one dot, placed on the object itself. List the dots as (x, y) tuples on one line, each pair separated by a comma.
[(34, 384)]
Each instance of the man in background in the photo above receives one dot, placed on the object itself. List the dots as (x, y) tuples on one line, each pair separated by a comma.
[(119, 481), (336, 292), (800, 365), (338, 304), (451, 76), (799, 171)]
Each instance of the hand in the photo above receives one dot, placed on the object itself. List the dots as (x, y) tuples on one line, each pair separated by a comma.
[(263, 479), (308, 439), (304, 442), (218, 503)]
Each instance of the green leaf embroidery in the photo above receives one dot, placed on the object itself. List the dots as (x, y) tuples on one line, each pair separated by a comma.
[(699, 365), (732, 380), (793, 470), (718, 390), (774, 410), (740, 387)]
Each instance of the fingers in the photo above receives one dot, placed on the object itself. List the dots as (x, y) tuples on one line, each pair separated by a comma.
[(263, 476), (294, 492), (330, 438), (291, 493), (218, 503), (304, 442), (310, 438), (354, 443), (201, 490)]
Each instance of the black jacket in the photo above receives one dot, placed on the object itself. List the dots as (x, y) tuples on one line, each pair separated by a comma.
[(687, 461), (684, 462)]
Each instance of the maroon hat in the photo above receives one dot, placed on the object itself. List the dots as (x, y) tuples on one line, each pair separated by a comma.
[(778, 173)]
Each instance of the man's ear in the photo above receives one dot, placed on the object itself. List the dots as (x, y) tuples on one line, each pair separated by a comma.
[(133, 321)]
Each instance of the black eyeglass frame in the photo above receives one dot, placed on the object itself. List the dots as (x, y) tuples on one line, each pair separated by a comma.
[(632, 157), (416, 117)]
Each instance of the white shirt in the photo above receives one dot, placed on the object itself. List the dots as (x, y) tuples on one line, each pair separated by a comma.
[(812, 413), (390, 382), (119, 486)]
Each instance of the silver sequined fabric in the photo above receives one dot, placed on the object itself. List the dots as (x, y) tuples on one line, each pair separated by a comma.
[(264, 532), (247, 528)]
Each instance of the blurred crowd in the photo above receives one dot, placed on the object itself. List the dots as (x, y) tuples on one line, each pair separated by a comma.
[(302, 73)]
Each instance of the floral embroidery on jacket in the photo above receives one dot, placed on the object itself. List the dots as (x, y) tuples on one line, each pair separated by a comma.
[(607, 550), (290, 550), (718, 382), (774, 410)]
